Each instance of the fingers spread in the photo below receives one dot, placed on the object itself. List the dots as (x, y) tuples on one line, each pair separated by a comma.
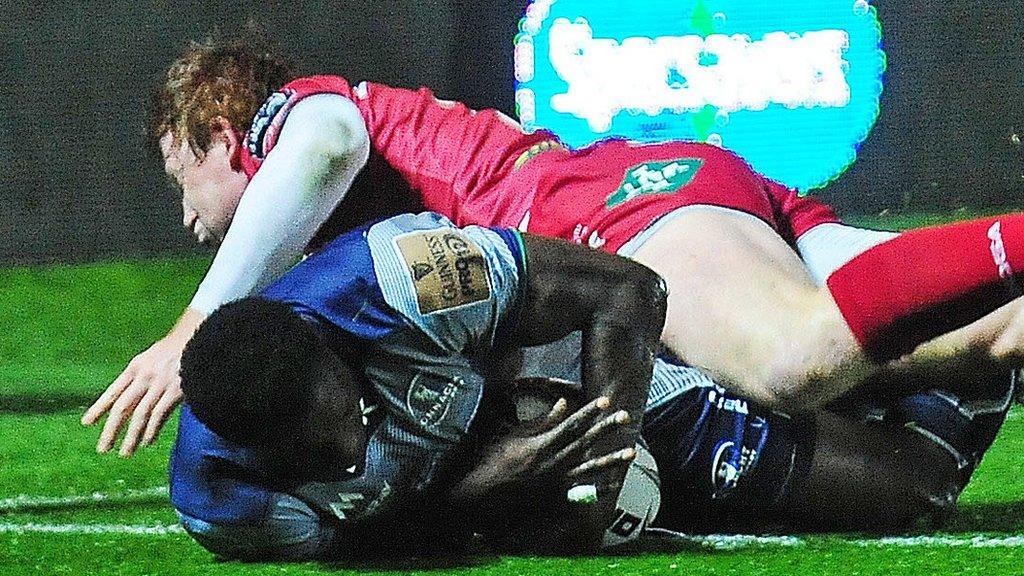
[(573, 427), (119, 414), (106, 400), (557, 412), (613, 459), (162, 410), (139, 420), (620, 418), (584, 443)]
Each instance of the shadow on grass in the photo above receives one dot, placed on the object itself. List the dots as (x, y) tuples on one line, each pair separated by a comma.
[(987, 517), (427, 564), (44, 403)]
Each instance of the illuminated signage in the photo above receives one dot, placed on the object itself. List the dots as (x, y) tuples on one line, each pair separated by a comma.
[(792, 86)]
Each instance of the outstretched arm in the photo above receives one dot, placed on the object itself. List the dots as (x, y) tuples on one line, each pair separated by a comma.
[(322, 147)]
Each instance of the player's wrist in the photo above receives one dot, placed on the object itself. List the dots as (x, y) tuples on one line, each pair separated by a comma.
[(186, 325)]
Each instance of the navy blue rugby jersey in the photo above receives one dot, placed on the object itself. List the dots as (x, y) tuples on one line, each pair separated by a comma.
[(425, 299)]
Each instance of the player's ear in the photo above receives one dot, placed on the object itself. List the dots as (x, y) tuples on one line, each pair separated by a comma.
[(222, 130)]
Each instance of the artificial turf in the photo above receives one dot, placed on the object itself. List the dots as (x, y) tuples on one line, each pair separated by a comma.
[(66, 332)]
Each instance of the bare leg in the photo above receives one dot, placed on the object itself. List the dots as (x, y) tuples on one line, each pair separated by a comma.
[(966, 357), (826, 470), (743, 307), (872, 477)]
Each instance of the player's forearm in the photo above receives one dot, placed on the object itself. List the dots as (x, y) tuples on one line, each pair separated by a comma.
[(619, 346), (186, 325), (617, 362), (319, 154), (615, 358), (619, 306)]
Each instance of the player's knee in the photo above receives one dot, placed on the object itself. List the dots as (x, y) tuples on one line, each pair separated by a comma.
[(289, 531), (931, 506), (1006, 350), (792, 377), (787, 385)]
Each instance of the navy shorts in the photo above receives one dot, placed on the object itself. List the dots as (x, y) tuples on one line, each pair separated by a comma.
[(725, 464), (722, 462)]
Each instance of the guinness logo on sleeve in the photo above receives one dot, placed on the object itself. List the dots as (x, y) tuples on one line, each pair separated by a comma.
[(447, 269)]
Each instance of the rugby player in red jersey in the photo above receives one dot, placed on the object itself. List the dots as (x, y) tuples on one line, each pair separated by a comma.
[(729, 242)]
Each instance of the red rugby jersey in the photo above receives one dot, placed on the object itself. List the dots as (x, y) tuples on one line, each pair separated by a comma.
[(478, 167)]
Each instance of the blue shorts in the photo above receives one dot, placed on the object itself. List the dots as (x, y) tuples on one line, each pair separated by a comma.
[(721, 460), (725, 464)]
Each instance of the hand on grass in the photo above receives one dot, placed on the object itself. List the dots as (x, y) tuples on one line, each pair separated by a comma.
[(145, 393)]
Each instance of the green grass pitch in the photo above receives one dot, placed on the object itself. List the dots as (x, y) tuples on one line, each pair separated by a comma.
[(65, 333)]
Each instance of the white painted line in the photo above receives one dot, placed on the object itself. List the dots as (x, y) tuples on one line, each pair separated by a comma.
[(26, 502), (738, 541), (713, 541), (968, 541), (89, 529), (727, 541)]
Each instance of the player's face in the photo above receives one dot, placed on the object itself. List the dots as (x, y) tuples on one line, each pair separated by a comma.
[(334, 439), (211, 186)]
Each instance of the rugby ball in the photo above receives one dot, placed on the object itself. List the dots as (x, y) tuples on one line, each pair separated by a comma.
[(638, 501)]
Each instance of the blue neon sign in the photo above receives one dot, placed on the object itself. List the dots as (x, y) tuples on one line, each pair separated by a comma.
[(792, 86)]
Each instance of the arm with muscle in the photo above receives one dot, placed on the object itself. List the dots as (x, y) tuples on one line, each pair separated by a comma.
[(619, 306), (322, 147)]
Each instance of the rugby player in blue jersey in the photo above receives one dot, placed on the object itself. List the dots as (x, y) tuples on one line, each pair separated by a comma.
[(407, 316)]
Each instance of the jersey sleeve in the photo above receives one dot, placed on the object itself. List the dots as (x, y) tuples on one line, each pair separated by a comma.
[(263, 134), (460, 287), (453, 155), (322, 149)]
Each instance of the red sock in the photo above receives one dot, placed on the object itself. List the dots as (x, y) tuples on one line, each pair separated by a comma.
[(927, 282)]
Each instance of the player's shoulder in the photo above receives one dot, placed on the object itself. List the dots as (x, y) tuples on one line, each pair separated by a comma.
[(404, 223), (457, 285), (431, 240), (269, 119), (432, 265), (344, 259), (356, 255), (338, 285)]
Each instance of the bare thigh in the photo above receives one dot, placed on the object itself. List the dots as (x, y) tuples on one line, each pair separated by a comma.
[(743, 307)]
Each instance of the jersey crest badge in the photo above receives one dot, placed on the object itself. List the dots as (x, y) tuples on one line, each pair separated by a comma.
[(430, 398), (664, 177)]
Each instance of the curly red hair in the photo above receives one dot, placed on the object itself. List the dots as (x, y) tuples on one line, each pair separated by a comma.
[(214, 78)]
